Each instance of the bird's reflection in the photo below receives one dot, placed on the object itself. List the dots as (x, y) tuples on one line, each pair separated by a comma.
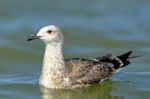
[(98, 91)]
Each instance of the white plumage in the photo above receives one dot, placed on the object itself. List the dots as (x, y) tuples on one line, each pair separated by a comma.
[(58, 72)]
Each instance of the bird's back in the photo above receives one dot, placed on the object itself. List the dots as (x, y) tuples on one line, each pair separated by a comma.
[(90, 71)]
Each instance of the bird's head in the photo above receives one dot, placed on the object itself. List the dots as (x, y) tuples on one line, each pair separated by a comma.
[(48, 34)]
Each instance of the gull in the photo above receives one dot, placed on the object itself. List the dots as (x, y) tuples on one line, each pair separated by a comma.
[(58, 72)]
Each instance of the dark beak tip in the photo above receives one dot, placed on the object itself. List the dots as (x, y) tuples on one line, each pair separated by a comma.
[(32, 37), (29, 38)]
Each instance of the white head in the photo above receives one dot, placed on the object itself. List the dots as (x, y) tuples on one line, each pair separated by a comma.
[(48, 34)]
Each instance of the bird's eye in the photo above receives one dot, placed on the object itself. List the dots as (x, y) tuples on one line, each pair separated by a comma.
[(49, 31)]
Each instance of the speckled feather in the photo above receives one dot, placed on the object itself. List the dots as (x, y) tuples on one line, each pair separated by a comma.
[(59, 73), (85, 71), (90, 71)]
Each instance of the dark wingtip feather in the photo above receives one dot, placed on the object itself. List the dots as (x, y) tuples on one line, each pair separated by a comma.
[(125, 58)]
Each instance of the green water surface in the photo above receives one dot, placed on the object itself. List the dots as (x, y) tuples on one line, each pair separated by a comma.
[(91, 28)]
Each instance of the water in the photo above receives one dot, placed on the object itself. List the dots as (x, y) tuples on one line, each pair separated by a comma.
[(91, 29)]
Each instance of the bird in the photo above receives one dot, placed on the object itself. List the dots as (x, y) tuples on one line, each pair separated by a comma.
[(59, 73)]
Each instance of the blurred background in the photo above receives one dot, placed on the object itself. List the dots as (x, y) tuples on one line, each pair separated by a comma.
[(91, 29)]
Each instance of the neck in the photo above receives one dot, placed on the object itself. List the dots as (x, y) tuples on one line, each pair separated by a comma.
[(53, 70)]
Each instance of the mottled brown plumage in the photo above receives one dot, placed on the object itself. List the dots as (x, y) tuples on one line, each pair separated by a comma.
[(60, 73), (84, 71), (90, 71)]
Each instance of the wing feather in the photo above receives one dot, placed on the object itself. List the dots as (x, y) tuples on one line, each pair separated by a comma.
[(88, 71)]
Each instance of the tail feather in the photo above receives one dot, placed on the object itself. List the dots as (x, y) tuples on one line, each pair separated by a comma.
[(134, 57), (118, 61), (125, 58)]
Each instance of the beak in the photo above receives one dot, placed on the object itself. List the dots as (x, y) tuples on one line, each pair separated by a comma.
[(32, 37)]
